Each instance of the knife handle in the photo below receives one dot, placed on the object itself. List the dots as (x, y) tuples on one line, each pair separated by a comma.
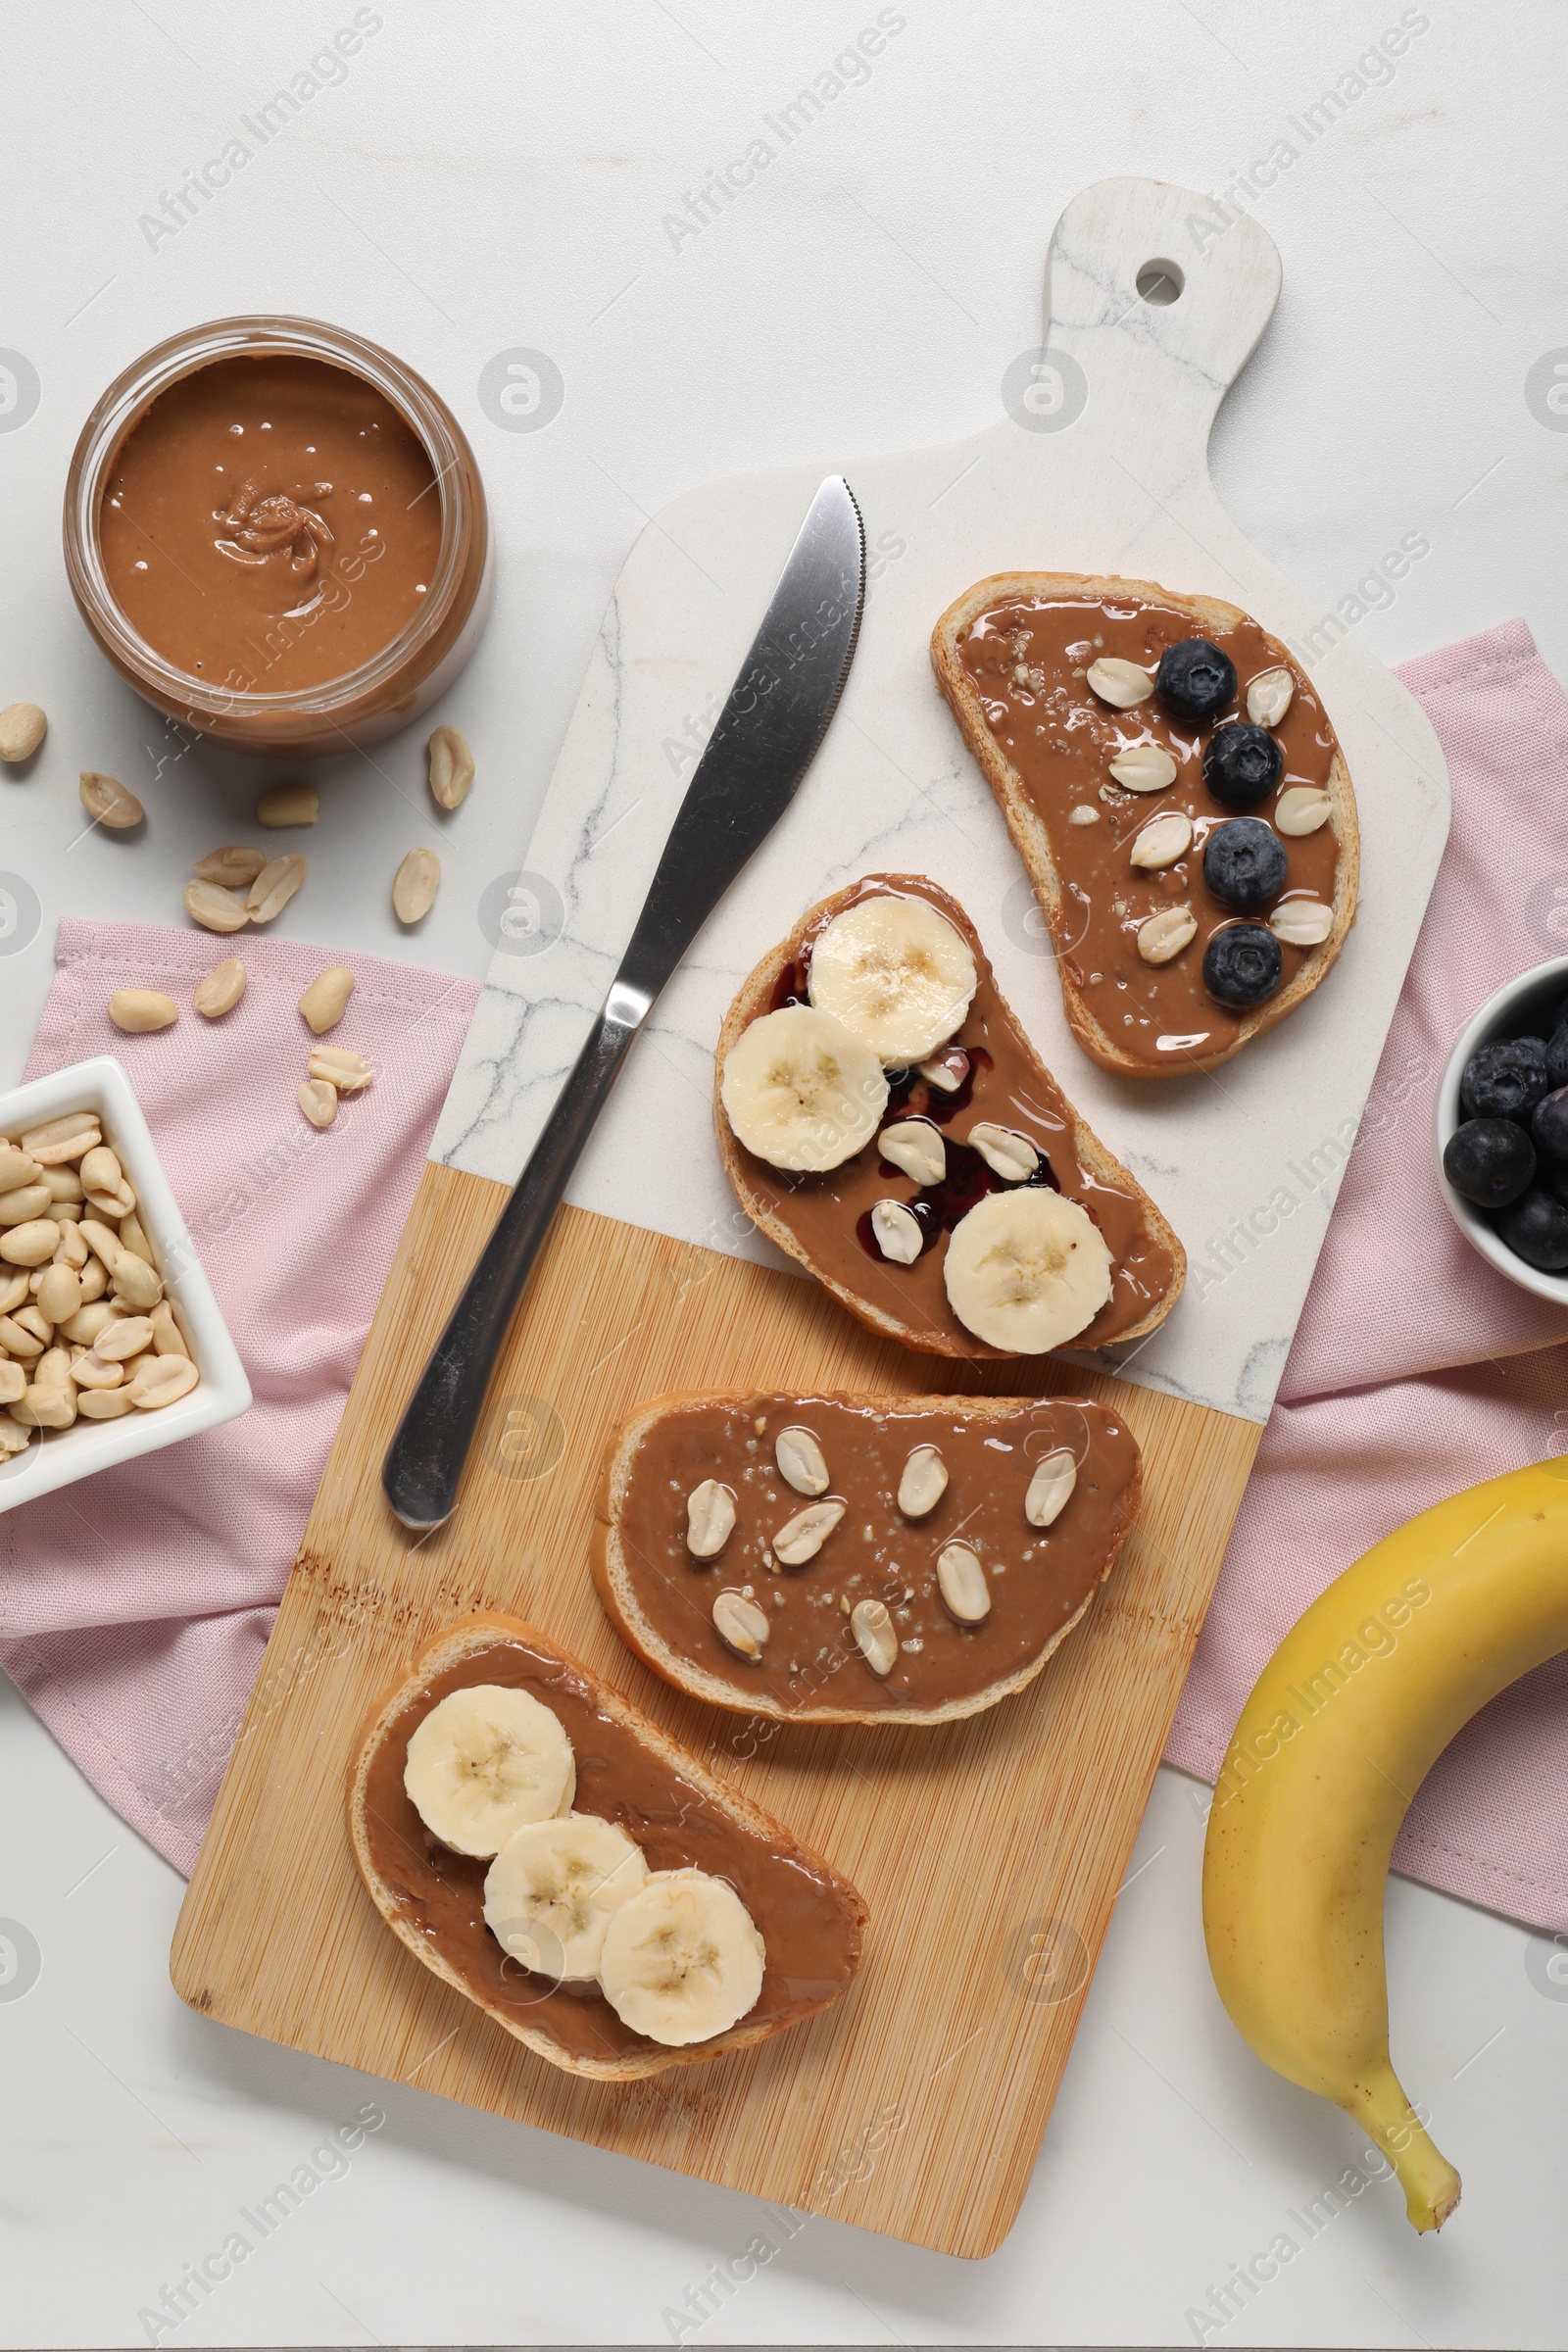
[(424, 1461)]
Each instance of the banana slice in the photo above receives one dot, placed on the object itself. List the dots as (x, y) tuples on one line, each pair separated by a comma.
[(682, 1959), (801, 1092), (896, 974), (554, 1888), (1026, 1270), (484, 1762)]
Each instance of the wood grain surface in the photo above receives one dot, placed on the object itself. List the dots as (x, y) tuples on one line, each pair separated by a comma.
[(989, 1851)]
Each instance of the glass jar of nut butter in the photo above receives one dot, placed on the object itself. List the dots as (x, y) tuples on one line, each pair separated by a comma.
[(277, 534)]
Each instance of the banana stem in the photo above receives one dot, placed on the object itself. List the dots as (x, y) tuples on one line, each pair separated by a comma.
[(1429, 2181)]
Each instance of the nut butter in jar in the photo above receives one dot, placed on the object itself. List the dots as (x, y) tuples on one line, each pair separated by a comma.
[(276, 532)]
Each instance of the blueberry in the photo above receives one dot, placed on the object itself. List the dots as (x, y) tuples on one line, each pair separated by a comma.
[(1195, 680), (1554, 1176), (1244, 863), (1504, 1080), (1549, 1125), (1243, 964), (1557, 1055), (1490, 1160), (1242, 765), (1536, 1229)]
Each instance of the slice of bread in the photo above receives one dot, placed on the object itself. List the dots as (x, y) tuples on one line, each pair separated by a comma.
[(660, 1599), (632, 1772), (920, 1318), (1051, 867)]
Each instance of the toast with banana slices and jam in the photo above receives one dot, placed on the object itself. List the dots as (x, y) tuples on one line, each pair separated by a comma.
[(884, 1119), (1173, 784), (544, 1847), (858, 1559)]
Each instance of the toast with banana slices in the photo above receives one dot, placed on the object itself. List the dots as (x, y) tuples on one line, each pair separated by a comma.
[(546, 1849), (884, 1119), (1175, 788)]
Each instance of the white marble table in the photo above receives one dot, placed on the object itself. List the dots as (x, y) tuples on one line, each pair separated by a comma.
[(488, 183)]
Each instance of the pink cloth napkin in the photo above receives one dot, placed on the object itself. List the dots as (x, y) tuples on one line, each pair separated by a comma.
[(1417, 1368), (134, 1606)]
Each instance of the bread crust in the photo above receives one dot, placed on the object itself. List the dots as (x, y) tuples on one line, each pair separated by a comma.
[(464, 1640), (754, 999), (617, 1591), (1028, 829)]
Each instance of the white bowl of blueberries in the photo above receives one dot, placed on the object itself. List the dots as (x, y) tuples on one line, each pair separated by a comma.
[(1502, 1131)]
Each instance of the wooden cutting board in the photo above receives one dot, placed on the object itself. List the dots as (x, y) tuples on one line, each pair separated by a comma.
[(989, 1853)]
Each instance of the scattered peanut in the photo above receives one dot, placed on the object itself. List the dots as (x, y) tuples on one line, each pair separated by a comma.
[(287, 805), (23, 726), (924, 1484), (317, 1099), (215, 908), (221, 989), (138, 1010), (450, 767), (325, 1000), (274, 886), (801, 1538), (415, 885), (235, 867), (340, 1068), (108, 802)]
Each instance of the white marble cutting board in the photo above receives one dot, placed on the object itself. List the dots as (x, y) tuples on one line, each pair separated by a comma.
[(1102, 467)]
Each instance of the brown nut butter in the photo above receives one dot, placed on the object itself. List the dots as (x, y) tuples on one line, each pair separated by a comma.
[(1027, 659), (276, 532), (809, 1918), (1039, 1579), (271, 518), (1004, 1083)]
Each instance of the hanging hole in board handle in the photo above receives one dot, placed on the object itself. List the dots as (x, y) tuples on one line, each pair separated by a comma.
[(1159, 282)]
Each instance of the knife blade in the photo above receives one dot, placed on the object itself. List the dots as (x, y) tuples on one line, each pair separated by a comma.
[(772, 722)]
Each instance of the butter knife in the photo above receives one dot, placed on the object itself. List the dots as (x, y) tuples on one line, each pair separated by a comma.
[(777, 712)]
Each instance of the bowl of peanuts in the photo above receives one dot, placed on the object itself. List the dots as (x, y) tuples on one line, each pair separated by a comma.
[(110, 1341)]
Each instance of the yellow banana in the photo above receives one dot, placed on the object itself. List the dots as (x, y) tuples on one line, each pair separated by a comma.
[(1350, 1712)]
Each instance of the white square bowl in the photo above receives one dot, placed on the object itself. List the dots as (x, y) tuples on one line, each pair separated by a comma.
[(222, 1390)]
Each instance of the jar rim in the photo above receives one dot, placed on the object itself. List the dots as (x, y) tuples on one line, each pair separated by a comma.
[(122, 406)]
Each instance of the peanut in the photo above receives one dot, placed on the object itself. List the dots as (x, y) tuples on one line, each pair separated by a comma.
[(29, 1245), (59, 1295), (415, 885), (103, 1405), (215, 908), (23, 726), (108, 802), (318, 1099), (234, 866), (340, 1068), (136, 1010), (66, 1138), (221, 990), (163, 1381), (326, 1000), (450, 767), (274, 886)]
